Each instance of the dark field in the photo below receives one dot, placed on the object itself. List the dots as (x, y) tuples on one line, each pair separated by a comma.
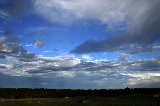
[(79, 97), (84, 101)]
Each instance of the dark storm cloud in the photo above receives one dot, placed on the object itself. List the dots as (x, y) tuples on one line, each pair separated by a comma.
[(8, 32), (121, 65), (138, 49), (150, 66), (91, 66), (27, 57), (16, 8), (145, 65), (3, 66), (143, 31)]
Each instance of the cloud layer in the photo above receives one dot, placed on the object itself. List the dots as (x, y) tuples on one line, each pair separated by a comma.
[(106, 11), (138, 21), (142, 32), (67, 71)]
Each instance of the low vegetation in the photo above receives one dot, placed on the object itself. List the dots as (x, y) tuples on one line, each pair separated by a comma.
[(59, 97)]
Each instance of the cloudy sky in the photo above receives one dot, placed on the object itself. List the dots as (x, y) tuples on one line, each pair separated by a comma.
[(85, 44)]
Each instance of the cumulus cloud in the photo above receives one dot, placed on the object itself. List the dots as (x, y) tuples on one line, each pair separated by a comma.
[(10, 45), (27, 56), (42, 65), (30, 64), (116, 73)]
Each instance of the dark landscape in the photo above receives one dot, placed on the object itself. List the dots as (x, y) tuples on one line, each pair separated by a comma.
[(79, 97)]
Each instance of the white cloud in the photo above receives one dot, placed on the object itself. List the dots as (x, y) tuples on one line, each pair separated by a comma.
[(43, 65), (66, 74), (143, 82), (62, 11), (142, 79), (5, 66), (47, 51), (61, 61), (108, 12), (87, 58), (29, 45)]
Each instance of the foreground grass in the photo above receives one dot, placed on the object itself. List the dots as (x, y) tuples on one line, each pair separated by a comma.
[(85, 101)]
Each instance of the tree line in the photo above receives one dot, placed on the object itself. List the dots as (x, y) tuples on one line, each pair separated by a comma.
[(17, 93)]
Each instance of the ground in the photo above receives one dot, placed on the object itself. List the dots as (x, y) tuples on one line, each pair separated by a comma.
[(84, 101)]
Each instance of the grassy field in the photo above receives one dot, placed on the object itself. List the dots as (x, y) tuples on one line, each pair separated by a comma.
[(86, 101)]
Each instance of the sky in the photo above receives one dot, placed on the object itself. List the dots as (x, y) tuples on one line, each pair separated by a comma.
[(79, 44)]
